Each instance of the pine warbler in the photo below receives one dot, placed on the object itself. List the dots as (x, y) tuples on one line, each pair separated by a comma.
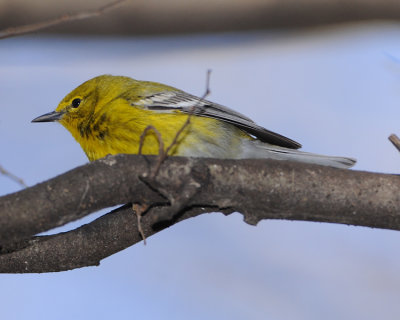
[(108, 114)]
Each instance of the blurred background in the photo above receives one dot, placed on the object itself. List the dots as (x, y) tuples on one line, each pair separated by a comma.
[(335, 88)]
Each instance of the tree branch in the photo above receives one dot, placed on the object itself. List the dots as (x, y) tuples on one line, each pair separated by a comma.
[(28, 28), (139, 16), (82, 247), (394, 139), (259, 189)]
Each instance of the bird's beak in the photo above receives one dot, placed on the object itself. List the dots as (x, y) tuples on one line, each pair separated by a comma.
[(49, 117)]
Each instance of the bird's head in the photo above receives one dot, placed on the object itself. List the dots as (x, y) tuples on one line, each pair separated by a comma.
[(79, 107)]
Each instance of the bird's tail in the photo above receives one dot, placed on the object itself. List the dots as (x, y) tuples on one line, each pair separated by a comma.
[(258, 149)]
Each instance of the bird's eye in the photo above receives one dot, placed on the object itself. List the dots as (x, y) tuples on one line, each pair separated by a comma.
[(76, 102)]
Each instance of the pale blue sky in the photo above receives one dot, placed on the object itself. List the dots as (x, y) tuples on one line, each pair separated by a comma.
[(336, 91)]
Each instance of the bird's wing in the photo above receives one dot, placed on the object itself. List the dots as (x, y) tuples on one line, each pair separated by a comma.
[(166, 101)]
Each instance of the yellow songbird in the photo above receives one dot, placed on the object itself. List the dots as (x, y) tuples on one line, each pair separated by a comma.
[(108, 114)]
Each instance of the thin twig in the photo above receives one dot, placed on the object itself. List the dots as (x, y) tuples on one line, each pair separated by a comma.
[(13, 177), (159, 138), (395, 140), (15, 31), (164, 155), (191, 112), (139, 210)]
